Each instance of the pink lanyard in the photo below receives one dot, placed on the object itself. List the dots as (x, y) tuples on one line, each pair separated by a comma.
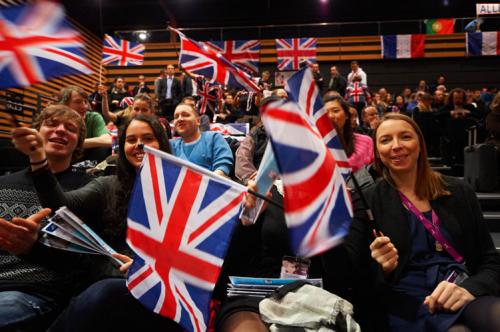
[(432, 227)]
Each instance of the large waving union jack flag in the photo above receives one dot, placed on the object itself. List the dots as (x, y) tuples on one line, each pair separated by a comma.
[(318, 209), (199, 59), (121, 52), (242, 53), (180, 221), (292, 52), (37, 43), (302, 89)]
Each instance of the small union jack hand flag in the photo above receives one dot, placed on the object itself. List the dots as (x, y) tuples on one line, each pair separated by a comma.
[(318, 209), (121, 52), (302, 89), (180, 221), (37, 43)]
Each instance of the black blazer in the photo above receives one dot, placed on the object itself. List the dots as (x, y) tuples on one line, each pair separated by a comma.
[(176, 90), (187, 86), (459, 213)]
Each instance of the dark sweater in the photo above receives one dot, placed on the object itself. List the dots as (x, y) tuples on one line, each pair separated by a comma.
[(44, 272)]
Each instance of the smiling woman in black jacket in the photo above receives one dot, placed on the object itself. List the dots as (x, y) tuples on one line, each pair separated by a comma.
[(431, 261)]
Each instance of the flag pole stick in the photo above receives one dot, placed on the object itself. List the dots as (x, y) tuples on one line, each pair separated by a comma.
[(267, 199), (369, 212), (102, 31)]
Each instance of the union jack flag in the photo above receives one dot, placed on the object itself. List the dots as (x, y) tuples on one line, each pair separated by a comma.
[(241, 53), (199, 59), (180, 221), (292, 52), (302, 89), (37, 43), (208, 94), (317, 205), (121, 52)]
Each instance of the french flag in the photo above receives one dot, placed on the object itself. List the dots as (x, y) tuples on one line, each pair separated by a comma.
[(402, 46), (483, 43)]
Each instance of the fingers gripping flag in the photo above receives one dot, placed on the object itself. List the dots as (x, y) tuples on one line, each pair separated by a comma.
[(180, 221), (302, 89), (317, 205)]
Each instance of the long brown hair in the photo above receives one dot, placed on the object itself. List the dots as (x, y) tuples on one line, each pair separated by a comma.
[(430, 184)]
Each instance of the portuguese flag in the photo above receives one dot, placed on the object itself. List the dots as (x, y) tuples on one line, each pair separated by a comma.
[(440, 25)]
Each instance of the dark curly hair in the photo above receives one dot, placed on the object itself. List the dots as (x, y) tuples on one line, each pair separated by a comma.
[(126, 174)]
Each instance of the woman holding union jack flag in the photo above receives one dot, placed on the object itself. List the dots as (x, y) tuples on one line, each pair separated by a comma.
[(102, 204), (427, 262)]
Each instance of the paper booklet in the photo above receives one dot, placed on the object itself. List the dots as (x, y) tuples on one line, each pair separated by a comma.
[(261, 287), (67, 232)]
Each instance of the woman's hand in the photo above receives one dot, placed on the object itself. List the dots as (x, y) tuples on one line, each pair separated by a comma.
[(127, 261), (249, 198), (448, 297), (385, 253), (19, 235), (30, 142)]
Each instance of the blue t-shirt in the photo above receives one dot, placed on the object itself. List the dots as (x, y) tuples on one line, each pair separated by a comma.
[(210, 151)]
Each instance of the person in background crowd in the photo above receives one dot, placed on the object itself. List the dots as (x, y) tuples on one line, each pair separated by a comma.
[(141, 86), (162, 74), (399, 104), (228, 112), (406, 94), (474, 98), (456, 117), (357, 95), (117, 93), (318, 78), (189, 85), (141, 104), (422, 86), (493, 122), (207, 149), (370, 120), (97, 135), (412, 103), (426, 118), (411, 280), (357, 71), (169, 93), (440, 81), (264, 81), (337, 82), (36, 282), (439, 99), (95, 99), (358, 148)]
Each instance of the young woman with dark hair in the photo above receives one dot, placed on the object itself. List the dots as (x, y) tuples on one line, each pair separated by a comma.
[(358, 148)]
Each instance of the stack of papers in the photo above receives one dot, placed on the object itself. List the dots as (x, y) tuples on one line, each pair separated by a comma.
[(66, 231), (261, 287)]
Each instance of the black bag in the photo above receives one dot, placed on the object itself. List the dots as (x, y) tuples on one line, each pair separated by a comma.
[(480, 164)]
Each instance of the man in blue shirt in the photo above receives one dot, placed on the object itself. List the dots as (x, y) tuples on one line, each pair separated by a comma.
[(206, 149)]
